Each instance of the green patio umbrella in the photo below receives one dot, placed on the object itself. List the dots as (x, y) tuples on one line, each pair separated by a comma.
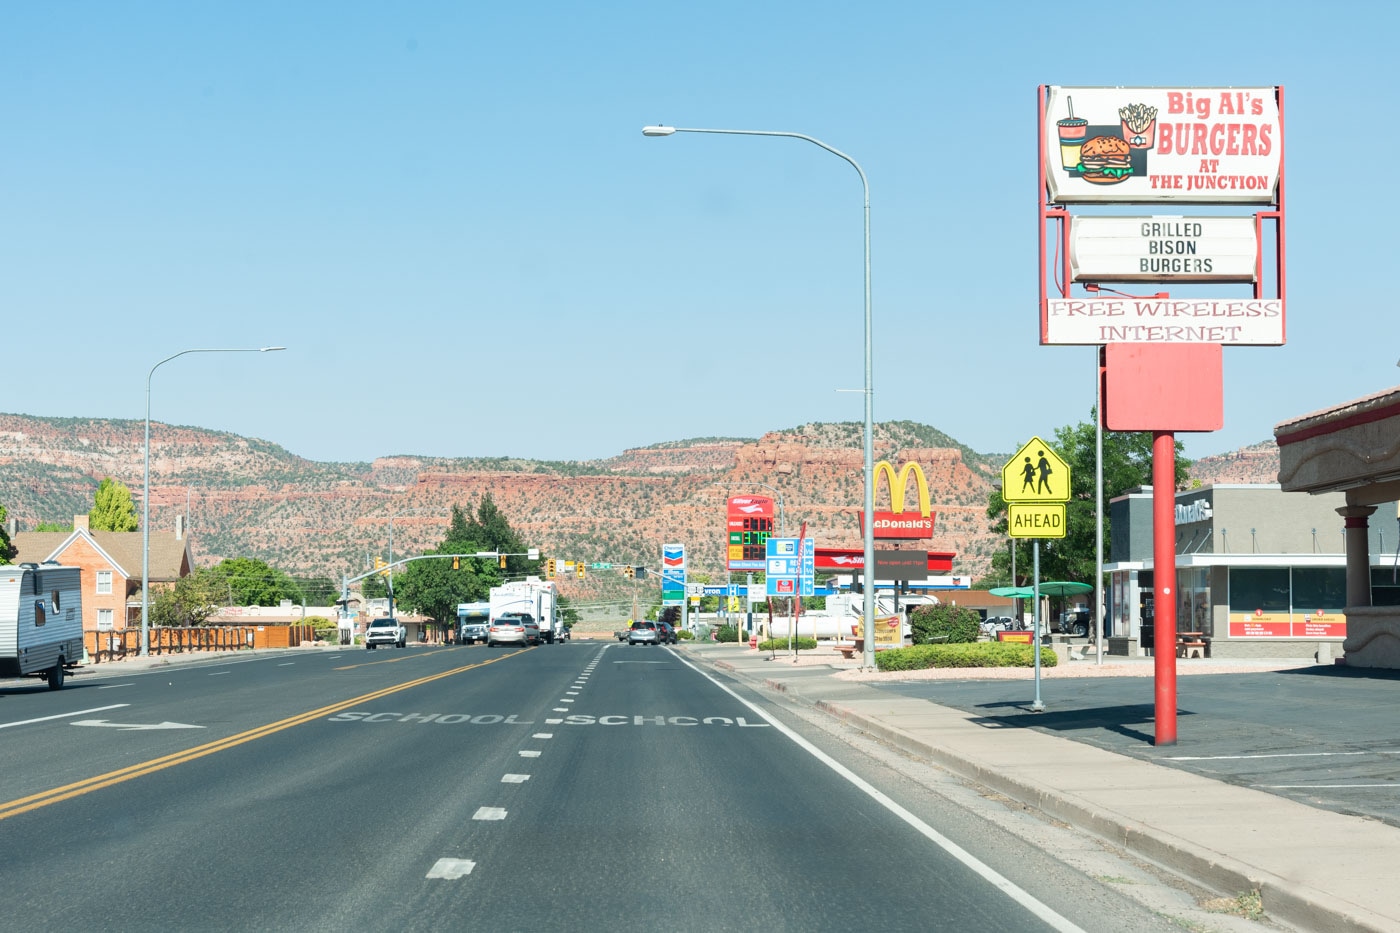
[(1012, 592), (1061, 588)]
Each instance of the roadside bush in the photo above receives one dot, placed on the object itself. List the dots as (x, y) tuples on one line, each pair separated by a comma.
[(977, 654), (325, 629), (726, 633), (781, 644), (684, 634), (954, 625)]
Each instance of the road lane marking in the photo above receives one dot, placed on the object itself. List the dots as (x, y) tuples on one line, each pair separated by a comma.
[(286, 664), (450, 869), (543, 735), (489, 813), (560, 709), (219, 673), (81, 712), (529, 754), (566, 700), (122, 775), (1278, 755), (110, 686), (553, 722), (985, 871), (514, 778), (134, 726)]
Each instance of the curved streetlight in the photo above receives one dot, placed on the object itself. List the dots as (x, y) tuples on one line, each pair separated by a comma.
[(146, 488), (869, 440)]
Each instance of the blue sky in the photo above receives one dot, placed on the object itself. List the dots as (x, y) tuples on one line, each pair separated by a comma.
[(447, 213)]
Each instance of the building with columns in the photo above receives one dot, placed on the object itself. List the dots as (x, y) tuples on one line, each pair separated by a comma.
[(1352, 451)]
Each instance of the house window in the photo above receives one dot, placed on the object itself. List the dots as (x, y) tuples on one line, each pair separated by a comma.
[(104, 582), (104, 620)]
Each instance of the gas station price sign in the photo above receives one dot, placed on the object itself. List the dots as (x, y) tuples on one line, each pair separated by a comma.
[(750, 524)]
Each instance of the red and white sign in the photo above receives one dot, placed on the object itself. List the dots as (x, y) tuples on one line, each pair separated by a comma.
[(1097, 321), (900, 525), (1145, 144)]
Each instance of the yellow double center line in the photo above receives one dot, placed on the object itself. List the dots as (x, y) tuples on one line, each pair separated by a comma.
[(88, 785)]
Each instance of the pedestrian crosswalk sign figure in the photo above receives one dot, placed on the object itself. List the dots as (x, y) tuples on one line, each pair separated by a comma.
[(1035, 473)]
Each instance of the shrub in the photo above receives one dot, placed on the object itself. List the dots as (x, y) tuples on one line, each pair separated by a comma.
[(684, 634), (781, 644), (983, 654), (326, 630), (954, 625), (726, 633)]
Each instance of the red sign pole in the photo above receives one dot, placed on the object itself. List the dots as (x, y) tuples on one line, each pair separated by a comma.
[(1164, 584)]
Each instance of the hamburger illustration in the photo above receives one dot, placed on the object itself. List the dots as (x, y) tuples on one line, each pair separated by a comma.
[(1104, 160)]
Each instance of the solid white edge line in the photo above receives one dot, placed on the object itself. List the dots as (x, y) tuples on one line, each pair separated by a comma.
[(95, 709), (1322, 786), (989, 874)]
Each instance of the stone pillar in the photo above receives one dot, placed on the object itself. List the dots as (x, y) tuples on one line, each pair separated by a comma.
[(1358, 554)]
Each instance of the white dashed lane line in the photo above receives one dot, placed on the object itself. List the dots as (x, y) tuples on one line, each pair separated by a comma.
[(543, 735), (528, 754), (450, 869), (489, 813), (514, 778)]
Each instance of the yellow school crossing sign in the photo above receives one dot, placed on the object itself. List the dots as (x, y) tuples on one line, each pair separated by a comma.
[(1035, 485)]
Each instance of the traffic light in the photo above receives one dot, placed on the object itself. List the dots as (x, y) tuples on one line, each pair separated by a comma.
[(641, 572), (579, 567), (378, 565), (549, 569), (502, 559), (456, 562), (627, 572)]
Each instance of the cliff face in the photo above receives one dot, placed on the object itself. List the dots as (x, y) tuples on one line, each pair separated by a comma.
[(247, 497)]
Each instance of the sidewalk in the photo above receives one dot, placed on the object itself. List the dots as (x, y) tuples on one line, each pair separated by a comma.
[(1315, 869)]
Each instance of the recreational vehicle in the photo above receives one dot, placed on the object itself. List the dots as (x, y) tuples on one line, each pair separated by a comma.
[(41, 621)]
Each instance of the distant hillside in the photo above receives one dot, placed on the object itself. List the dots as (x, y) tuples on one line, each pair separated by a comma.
[(249, 497)]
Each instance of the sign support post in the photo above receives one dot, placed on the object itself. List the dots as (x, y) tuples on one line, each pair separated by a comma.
[(1037, 706), (1163, 581)]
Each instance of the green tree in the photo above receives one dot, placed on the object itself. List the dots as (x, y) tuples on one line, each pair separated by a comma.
[(491, 531), (54, 526), (568, 615), (374, 587), (1127, 462), (113, 509), (191, 601), (251, 582), (7, 550)]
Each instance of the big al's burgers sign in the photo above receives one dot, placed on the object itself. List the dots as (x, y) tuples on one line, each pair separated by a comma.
[(898, 524), (1143, 144)]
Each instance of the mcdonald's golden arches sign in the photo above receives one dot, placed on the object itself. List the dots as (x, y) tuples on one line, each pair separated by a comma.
[(897, 523)]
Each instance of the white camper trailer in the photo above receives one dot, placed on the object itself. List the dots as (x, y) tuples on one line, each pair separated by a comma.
[(41, 621)]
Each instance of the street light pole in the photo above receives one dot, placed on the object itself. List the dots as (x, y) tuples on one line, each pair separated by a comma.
[(869, 438), (146, 488)]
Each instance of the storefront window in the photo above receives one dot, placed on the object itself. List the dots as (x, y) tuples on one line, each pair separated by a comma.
[(1255, 589), (1317, 588), (1385, 586)]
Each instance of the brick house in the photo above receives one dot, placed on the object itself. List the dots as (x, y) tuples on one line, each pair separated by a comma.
[(111, 565)]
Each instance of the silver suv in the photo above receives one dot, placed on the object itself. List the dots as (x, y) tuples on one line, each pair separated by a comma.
[(644, 633)]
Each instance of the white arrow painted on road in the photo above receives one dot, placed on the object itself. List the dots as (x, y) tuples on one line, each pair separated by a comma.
[(143, 726)]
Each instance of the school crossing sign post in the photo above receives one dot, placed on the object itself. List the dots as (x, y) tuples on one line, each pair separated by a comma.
[(1035, 485)]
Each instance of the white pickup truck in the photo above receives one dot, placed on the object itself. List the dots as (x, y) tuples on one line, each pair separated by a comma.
[(385, 631)]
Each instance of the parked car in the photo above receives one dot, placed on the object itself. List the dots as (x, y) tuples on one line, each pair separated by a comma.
[(667, 632), (513, 628), (644, 633), (1076, 622)]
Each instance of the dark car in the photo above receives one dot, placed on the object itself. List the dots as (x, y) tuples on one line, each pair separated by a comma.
[(667, 632), (644, 633)]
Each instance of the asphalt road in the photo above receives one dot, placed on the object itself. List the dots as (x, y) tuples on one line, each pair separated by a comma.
[(578, 786), (1324, 736)]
